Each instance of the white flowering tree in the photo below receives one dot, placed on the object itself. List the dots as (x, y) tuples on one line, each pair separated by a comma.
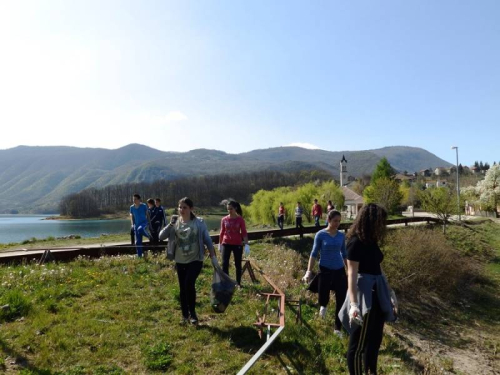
[(489, 189), (486, 193)]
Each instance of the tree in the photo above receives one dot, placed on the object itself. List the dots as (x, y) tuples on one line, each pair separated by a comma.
[(331, 191), (385, 192), (489, 189), (441, 201), (383, 170), (460, 169)]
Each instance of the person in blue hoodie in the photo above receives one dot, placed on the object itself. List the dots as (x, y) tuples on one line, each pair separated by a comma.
[(329, 246), (140, 220)]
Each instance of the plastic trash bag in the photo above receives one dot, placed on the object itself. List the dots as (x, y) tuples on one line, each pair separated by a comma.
[(222, 290)]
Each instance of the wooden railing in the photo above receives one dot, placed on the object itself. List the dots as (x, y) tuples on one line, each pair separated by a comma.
[(93, 251)]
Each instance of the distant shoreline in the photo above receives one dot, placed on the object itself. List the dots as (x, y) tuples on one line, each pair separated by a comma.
[(117, 216)]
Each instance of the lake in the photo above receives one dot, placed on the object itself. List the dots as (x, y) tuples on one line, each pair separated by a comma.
[(17, 228)]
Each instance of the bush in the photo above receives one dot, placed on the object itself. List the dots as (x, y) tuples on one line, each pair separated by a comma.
[(15, 305), (418, 261), (158, 357)]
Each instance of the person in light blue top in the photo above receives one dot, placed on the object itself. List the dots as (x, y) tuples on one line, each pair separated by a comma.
[(329, 245), (139, 217)]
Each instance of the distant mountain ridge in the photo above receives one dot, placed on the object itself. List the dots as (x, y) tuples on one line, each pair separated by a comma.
[(34, 179)]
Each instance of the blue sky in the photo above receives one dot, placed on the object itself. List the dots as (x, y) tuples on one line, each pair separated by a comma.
[(242, 75)]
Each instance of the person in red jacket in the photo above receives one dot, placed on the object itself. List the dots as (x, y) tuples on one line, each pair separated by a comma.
[(233, 233), (316, 212)]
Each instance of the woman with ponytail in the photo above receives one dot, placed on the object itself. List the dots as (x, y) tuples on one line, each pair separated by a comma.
[(233, 233)]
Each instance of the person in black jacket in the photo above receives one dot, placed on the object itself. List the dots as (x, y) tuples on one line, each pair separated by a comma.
[(158, 219)]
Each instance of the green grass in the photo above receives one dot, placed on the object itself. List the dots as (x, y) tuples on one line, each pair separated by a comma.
[(120, 315)]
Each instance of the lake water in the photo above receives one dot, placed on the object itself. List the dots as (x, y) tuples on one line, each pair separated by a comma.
[(17, 228)]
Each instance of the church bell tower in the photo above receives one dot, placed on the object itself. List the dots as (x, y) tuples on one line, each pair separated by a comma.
[(343, 171)]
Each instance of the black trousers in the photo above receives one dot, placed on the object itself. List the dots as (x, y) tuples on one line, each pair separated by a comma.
[(187, 274), (335, 280), (155, 233), (298, 222), (364, 342), (281, 221), (132, 236), (237, 250)]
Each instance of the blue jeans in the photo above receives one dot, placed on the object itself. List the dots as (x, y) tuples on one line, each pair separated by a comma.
[(316, 220), (141, 230)]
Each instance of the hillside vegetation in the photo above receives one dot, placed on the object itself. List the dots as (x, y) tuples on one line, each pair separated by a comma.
[(120, 315), (34, 179)]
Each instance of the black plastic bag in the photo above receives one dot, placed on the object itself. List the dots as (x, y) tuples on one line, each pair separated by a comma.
[(222, 290)]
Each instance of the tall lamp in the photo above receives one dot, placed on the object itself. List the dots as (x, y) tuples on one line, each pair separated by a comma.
[(458, 185)]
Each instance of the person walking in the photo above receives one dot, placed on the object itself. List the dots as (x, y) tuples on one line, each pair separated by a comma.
[(370, 301), (316, 212), (299, 211), (188, 235), (140, 220), (232, 234), (281, 215), (158, 219), (329, 245), (329, 207), (152, 212)]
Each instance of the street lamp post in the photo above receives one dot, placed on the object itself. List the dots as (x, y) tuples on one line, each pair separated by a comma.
[(458, 185)]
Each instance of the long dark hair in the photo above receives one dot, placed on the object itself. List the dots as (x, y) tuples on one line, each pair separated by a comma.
[(370, 224), (190, 204), (236, 206)]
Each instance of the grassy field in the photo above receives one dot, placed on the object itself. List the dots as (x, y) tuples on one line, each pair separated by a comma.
[(121, 315)]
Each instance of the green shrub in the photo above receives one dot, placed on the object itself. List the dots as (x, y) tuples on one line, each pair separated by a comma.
[(15, 306), (158, 357)]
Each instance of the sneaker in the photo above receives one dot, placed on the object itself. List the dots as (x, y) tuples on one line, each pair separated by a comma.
[(193, 320), (184, 320), (322, 312), (338, 333)]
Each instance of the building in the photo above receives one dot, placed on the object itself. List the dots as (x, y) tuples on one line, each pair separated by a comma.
[(353, 201), (352, 204), (437, 183), (343, 172), (399, 177), (425, 172)]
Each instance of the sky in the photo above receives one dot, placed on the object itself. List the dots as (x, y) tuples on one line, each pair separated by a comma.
[(243, 75)]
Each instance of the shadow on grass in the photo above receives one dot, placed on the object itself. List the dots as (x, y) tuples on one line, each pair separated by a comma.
[(21, 361), (393, 349), (244, 338), (247, 340)]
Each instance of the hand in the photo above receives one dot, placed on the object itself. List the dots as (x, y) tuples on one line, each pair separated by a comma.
[(247, 250), (355, 314), (394, 302), (307, 277), (215, 261), (218, 247)]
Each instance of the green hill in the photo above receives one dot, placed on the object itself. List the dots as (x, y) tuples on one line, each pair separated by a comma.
[(33, 179)]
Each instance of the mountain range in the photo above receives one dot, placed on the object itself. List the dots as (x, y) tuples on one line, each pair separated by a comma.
[(34, 179)]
